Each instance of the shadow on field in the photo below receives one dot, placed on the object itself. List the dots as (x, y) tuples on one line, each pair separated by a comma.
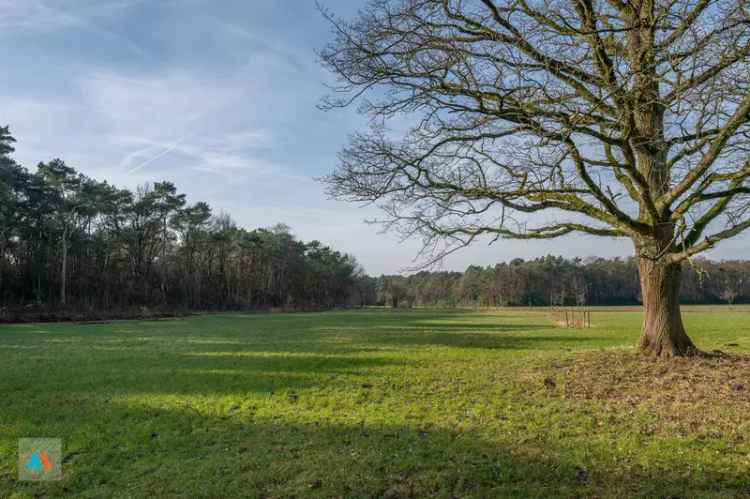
[(225, 368), (123, 450), (485, 341), (221, 355), (465, 326), (235, 372), (228, 364), (467, 335)]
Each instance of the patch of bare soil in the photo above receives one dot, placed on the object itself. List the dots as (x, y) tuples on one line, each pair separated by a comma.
[(707, 395)]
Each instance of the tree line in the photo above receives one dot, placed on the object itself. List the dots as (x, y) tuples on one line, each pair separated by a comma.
[(553, 280), (68, 241)]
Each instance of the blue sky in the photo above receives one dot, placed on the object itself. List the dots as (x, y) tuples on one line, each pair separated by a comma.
[(219, 97)]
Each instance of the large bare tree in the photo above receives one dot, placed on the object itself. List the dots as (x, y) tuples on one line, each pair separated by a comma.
[(533, 119)]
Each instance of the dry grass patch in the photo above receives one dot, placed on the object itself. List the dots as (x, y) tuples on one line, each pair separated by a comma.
[(704, 397)]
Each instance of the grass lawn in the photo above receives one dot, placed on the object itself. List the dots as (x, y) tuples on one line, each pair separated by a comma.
[(378, 404)]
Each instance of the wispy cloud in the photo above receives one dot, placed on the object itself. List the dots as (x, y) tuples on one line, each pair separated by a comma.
[(176, 115), (35, 16), (165, 149), (253, 42), (47, 16), (207, 154)]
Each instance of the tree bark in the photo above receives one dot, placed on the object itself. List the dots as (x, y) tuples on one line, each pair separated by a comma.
[(663, 333), (64, 268)]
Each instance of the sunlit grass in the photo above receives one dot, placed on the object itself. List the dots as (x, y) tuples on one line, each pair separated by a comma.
[(374, 404)]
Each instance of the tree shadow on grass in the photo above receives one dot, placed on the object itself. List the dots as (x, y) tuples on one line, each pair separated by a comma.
[(480, 336), (485, 341), (211, 373), (429, 326), (328, 347), (229, 360), (540, 336), (132, 450), (216, 369)]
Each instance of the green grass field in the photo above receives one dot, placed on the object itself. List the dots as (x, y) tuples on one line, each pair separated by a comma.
[(378, 404)]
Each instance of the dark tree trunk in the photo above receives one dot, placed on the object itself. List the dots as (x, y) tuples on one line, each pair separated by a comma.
[(663, 333), (64, 269)]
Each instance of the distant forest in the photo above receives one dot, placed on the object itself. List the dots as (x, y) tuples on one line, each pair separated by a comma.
[(557, 281), (73, 244), (69, 242)]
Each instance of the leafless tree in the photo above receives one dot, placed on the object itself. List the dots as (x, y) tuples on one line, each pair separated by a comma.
[(729, 294), (558, 295), (533, 119), (732, 284), (580, 290)]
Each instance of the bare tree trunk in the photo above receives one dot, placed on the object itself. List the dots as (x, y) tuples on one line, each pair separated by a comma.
[(3, 241), (663, 333), (64, 269), (2, 267), (163, 262)]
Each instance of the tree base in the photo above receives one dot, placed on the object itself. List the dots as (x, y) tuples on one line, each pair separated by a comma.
[(663, 331), (668, 350)]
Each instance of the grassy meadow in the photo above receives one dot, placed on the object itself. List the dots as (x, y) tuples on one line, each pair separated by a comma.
[(379, 404)]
